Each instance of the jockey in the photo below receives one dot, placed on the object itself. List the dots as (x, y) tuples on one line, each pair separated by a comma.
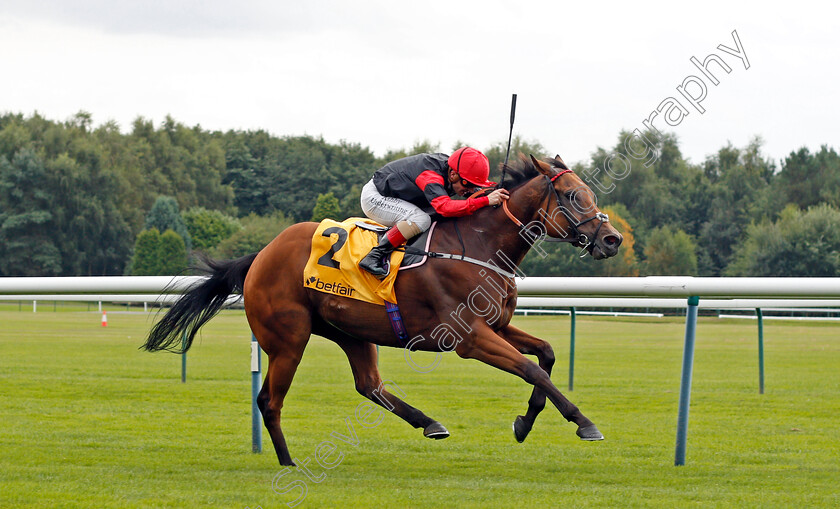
[(404, 193)]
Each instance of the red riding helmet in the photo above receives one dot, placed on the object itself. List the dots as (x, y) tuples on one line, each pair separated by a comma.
[(472, 166)]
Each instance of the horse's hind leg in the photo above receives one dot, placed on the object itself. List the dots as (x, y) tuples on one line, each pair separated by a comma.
[(529, 345), (362, 357), (285, 351)]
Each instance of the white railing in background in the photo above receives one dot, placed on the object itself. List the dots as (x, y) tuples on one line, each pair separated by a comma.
[(96, 284), (681, 286), (673, 303)]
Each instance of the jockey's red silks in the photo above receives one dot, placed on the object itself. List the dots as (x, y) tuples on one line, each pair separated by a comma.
[(395, 237)]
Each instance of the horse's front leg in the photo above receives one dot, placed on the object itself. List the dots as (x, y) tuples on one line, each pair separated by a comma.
[(488, 347), (529, 345)]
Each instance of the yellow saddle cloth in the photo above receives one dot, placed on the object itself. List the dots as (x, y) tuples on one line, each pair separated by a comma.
[(333, 265)]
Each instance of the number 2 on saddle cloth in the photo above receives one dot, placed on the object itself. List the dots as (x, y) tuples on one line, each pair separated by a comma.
[(333, 268)]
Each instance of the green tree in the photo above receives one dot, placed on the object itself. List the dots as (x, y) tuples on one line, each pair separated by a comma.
[(14, 136), (740, 177), (90, 232), (74, 196), (157, 254), (146, 259), (27, 222), (799, 243), (207, 228), (326, 206), (256, 233), (69, 188), (670, 252), (808, 179), (299, 173), (172, 253), (289, 173), (354, 165), (351, 205), (554, 260), (245, 173), (651, 179), (174, 160), (165, 215)]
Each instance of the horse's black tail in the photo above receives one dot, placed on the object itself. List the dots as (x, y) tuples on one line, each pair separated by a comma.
[(176, 330)]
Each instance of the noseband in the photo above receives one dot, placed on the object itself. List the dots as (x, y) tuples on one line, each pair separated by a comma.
[(586, 244)]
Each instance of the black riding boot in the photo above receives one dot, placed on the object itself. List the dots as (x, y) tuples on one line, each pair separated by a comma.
[(374, 261)]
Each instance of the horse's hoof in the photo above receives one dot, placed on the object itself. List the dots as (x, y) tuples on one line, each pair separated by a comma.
[(589, 433), (435, 431), (520, 429)]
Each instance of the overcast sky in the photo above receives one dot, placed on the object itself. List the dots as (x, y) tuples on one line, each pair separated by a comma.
[(386, 74)]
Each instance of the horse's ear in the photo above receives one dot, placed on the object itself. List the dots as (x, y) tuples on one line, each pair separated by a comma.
[(561, 164), (542, 167)]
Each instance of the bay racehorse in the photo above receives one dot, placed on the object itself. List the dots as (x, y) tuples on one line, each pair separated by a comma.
[(547, 201)]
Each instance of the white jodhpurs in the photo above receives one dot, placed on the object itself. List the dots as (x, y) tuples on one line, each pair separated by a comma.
[(390, 211)]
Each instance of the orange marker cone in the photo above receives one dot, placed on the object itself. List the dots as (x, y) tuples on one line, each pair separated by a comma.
[(104, 319)]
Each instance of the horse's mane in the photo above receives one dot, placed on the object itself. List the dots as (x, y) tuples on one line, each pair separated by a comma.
[(522, 170), (519, 171)]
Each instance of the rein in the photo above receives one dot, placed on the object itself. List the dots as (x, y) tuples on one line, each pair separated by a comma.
[(460, 257), (586, 243)]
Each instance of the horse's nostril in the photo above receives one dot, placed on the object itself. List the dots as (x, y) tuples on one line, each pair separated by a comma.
[(611, 240)]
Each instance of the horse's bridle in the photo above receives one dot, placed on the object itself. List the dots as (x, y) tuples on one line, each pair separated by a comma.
[(586, 244)]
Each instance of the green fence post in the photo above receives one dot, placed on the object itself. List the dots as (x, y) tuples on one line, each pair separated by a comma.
[(685, 384), (184, 359)]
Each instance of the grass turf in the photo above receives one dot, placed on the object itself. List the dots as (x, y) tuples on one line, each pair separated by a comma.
[(88, 420)]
